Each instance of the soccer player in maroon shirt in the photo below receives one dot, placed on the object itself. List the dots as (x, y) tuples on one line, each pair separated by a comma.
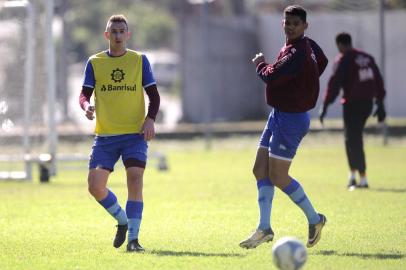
[(357, 74), (292, 88)]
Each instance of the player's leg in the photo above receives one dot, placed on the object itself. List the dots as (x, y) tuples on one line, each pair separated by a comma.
[(352, 139), (101, 164), (134, 158), (263, 233), (349, 138), (286, 138), (365, 112), (265, 188), (355, 115), (134, 206)]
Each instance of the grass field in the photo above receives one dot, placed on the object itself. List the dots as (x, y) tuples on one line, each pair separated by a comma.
[(196, 213)]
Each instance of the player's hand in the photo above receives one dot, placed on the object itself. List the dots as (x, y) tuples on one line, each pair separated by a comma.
[(259, 57), (322, 114), (148, 129), (380, 111), (89, 112)]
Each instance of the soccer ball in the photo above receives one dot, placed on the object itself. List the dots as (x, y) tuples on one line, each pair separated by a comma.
[(289, 253)]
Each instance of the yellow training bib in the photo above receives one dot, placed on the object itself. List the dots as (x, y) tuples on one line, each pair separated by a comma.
[(119, 96)]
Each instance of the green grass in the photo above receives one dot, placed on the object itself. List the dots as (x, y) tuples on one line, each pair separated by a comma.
[(196, 213)]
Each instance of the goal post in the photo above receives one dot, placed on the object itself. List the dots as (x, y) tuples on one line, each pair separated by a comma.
[(27, 89), (12, 13)]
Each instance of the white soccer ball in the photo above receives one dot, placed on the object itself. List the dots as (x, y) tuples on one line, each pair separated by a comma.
[(289, 253)]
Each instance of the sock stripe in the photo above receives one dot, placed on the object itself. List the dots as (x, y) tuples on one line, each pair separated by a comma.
[(261, 199), (292, 187), (112, 206), (134, 209), (264, 182), (117, 212), (301, 199), (109, 201)]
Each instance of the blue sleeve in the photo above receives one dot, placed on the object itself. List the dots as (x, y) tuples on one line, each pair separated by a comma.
[(147, 76), (89, 80)]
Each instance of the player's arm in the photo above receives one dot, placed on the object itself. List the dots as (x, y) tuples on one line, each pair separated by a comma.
[(154, 98), (87, 91), (337, 80), (283, 70), (321, 58), (84, 101), (381, 93), (334, 85), (380, 111), (154, 101)]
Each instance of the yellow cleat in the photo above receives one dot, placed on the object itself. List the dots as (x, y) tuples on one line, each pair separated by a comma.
[(257, 238)]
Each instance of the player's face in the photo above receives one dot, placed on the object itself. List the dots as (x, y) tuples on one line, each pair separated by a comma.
[(294, 27), (117, 34), (341, 48)]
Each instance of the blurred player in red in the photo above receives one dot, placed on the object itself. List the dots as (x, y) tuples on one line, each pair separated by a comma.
[(292, 89), (357, 74)]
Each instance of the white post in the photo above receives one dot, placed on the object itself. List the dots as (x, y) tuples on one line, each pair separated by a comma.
[(206, 89), (28, 84), (51, 85), (28, 79), (382, 58)]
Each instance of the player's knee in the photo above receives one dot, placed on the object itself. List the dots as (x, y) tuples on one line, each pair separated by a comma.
[(92, 190), (96, 191), (135, 180), (277, 178), (259, 173)]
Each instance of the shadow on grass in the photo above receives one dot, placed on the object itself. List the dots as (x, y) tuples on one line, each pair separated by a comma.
[(379, 256), (393, 190), (193, 254)]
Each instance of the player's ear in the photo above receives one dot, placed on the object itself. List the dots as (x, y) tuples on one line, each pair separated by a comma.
[(106, 35), (306, 25), (129, 34)]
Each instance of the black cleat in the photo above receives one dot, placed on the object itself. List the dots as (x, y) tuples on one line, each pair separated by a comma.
[(121, 235), (363, 185), (315, 231), (352, 184), (134, 246)]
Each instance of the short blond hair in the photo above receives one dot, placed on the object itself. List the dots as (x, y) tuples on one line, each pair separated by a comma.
[(116, 18)]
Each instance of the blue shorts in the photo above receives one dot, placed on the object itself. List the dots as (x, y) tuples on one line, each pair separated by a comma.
[(283, 132), (107, 150)]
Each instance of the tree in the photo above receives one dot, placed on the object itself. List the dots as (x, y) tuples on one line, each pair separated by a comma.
[(152, 24)]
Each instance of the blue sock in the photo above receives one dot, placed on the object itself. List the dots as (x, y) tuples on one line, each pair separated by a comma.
[(134, 213), (112, 206), (296, 193), (265, 196)]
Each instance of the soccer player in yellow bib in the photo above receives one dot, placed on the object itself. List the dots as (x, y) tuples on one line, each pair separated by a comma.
[(117, 78)]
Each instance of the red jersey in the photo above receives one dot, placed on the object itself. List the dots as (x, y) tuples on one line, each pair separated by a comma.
[(357, 74), (292, 82)]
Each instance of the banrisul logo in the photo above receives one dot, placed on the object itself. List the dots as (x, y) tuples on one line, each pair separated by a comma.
[(124, 87), (117, 75)]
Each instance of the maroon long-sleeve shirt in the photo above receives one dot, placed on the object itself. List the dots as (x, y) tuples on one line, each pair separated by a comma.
[(292, 82), (358, 75)]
